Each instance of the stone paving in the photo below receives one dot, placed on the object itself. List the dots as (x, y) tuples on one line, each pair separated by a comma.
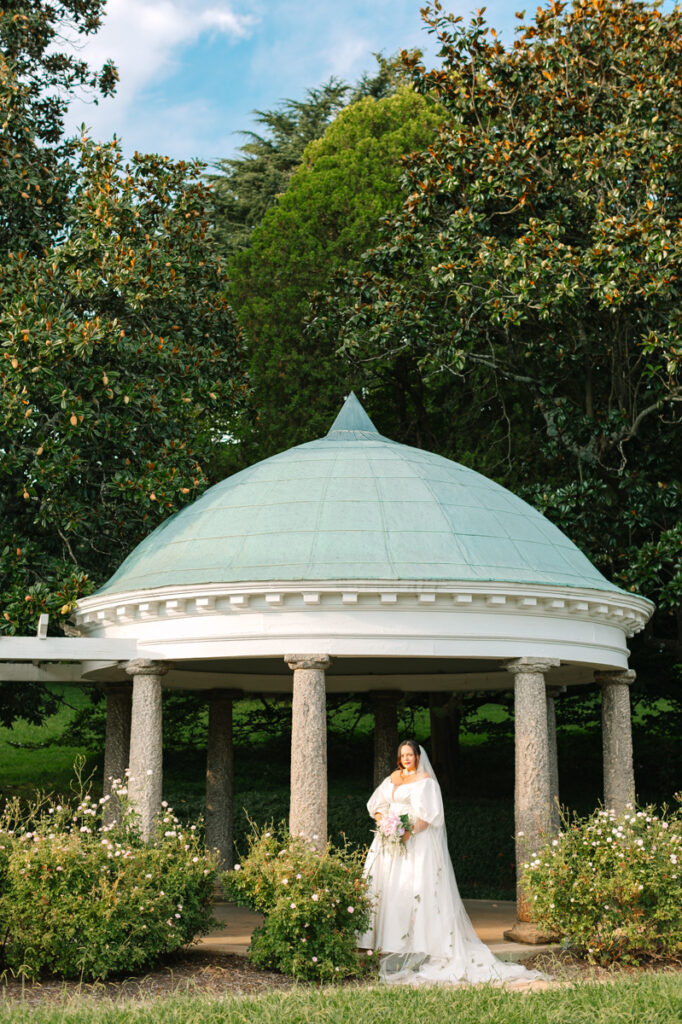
[(491, 918)]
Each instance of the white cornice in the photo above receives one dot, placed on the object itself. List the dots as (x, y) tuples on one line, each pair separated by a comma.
[(103, 614)]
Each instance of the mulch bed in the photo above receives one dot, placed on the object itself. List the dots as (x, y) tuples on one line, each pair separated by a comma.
[(217, 974), (565, 966), (201, 973)]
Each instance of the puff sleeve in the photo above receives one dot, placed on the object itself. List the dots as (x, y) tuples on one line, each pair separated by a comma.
[(380, 798), (427, 802)]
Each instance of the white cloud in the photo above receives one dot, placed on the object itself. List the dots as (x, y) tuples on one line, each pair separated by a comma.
[(145, 38), (348, 54)]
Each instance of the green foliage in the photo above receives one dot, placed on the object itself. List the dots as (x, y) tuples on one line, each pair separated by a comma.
[(248, 185), (37, 79), (120, 341), (535, 267), (613, 885), (82, 900), (313, 901), (329, 214)]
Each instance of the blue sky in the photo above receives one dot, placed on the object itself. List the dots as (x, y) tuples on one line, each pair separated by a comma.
[(193, 70)]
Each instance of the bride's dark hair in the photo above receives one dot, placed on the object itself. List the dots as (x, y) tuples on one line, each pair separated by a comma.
[(414, 747)]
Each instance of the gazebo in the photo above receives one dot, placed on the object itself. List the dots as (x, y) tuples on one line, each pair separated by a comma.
[(350, 563)]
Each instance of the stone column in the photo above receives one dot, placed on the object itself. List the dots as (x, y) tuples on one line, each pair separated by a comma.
[(552, 693), (116, 744), (616, 724), (220, 775), (532, 793), (385, 705), (308, 810), (146, 741)]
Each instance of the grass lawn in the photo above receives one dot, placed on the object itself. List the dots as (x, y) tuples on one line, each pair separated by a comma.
[(647, 999), (32, 756)]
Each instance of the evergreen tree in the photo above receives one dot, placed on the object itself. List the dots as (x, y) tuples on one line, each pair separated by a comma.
[(330, 213)]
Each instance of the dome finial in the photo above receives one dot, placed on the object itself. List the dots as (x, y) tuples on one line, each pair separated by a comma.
[(352, 417)]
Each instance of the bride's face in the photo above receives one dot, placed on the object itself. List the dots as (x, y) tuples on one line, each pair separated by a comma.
[(408, 759)]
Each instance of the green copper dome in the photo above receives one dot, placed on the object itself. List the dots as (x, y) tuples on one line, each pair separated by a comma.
[(356, 506)]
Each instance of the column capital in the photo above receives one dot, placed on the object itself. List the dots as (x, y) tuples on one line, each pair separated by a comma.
[(623, 678), (319, 661), (146, 667), (531, 666)]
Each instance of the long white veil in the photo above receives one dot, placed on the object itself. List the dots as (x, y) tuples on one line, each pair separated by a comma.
[(425, 765), (466, 959)]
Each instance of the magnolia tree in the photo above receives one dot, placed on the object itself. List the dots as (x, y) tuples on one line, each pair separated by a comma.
[(120, 369), (536, 264), (39, 72)]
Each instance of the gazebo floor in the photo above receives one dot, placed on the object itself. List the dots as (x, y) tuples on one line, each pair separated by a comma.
[(491, 918)]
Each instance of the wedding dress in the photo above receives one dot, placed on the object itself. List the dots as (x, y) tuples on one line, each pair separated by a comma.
[(419, 924)]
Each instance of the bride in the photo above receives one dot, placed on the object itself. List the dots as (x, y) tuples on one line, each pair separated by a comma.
[(419, 924)]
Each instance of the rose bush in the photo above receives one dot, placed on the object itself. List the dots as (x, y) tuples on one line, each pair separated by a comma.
[(314, 902), (79, 899), (612, 885)]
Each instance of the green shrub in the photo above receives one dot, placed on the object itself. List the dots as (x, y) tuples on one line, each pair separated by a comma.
[(80, 900), (313, 902), (613, 885)]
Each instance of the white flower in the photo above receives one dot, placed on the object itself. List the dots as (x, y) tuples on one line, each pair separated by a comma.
[(285, 881), (351, 910), (237, 867), (293, 906), (314, 897), (164, 803), (314, 959)]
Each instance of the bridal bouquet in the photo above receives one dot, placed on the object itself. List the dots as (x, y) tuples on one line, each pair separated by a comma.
[(392, 828)]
